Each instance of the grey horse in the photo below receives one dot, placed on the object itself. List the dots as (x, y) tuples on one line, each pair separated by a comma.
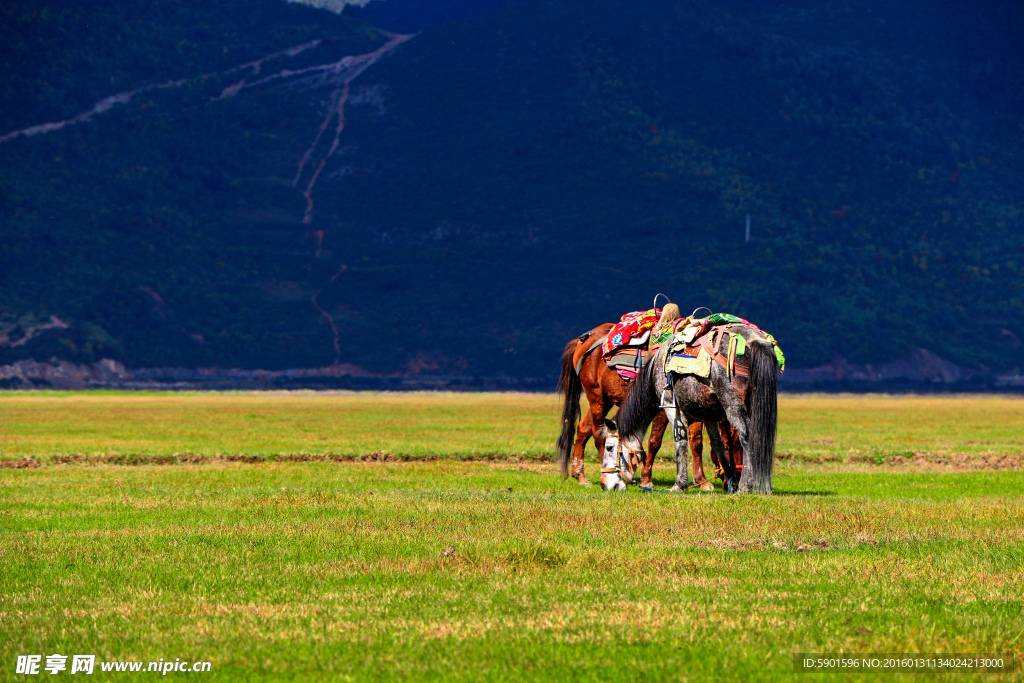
[(746, 396)]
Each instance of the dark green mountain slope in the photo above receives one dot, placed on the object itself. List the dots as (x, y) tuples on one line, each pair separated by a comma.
[(587, 158), (502, 184), (59, 57), (158, 228)]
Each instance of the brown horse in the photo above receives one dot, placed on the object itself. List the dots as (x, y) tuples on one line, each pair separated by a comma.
[(604, 389)]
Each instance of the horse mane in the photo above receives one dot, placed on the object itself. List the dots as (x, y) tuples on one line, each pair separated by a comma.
[(641, 404)]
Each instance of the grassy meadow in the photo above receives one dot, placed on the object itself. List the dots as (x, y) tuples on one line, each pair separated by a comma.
[(251, 533), (165, 427)]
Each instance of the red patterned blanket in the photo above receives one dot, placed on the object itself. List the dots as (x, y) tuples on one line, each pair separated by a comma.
[(631, 330)]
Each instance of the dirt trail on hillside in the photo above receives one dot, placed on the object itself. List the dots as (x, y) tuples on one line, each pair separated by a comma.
[(340, 74), (344, 72), (108, 103), (337, 75)]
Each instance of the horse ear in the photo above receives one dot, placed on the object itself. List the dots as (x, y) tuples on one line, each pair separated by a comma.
[(606, 428)]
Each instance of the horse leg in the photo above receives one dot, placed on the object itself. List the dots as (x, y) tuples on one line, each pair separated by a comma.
[(732, 443), (583, 434), (680, 433), (724, 457), (719, 470), (658, 427), (696, 431)]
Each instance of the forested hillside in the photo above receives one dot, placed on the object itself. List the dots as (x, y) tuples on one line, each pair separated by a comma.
[(497, 186)]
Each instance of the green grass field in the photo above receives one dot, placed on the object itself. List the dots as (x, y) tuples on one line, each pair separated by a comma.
[(161, 427), (898, 528)]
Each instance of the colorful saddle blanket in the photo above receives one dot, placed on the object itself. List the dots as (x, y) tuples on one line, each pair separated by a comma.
[(633, 329), (628, 361), (697, 343), (625, 347)]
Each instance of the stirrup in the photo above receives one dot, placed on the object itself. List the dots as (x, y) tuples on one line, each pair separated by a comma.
[(667, 400)]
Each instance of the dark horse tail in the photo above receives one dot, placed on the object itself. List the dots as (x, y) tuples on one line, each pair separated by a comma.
[(641, 404), (762, 406), (570, 385)]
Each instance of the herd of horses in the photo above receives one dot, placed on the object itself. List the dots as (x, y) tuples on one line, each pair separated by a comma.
[(736, 405)]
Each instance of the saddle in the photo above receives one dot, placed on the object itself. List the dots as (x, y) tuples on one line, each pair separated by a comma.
[(697, 343), (696, 356), (632, 330), (626, 345)]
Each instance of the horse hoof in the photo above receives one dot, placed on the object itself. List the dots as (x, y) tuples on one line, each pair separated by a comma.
[(707, 486), (584, 482), (676, 489)]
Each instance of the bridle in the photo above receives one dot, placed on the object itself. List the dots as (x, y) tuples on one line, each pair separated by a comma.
[(626, 464)]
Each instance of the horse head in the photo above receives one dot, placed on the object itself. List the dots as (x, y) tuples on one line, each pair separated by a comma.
[(620, 459)]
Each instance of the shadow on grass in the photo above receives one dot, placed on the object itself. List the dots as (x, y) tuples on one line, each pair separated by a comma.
[(665, 483), (803, 493)]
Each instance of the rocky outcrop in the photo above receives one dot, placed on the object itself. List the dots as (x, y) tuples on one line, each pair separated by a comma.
[(60, 374), (109, 374), (920, 366)]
